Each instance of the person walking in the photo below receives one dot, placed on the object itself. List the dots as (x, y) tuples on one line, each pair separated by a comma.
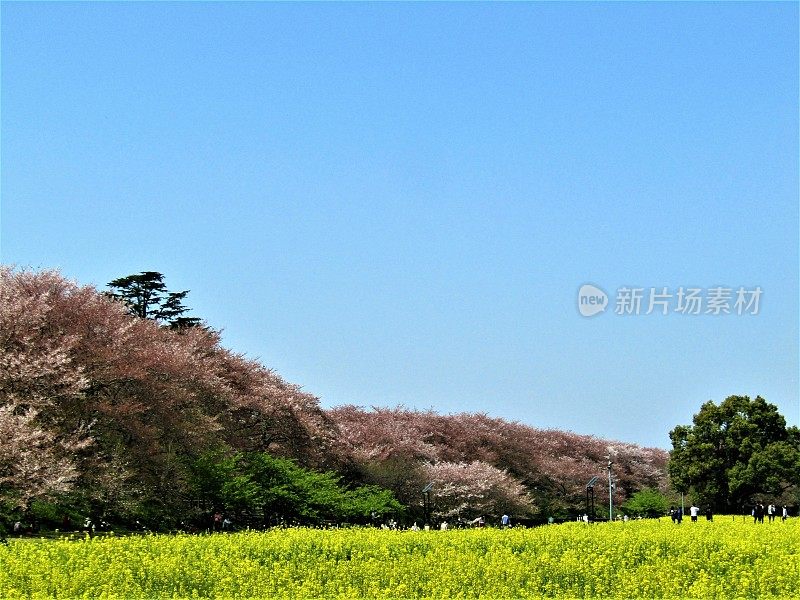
[(758, 513), (771, 513), (784, 513), (693, 512)]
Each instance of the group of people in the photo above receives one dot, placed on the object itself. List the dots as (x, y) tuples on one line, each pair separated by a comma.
[(771, 511), (221, 522), (676, 514), (505, 523), (758, 512)]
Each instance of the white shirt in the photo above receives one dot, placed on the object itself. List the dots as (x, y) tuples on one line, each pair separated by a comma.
[(694, 511)]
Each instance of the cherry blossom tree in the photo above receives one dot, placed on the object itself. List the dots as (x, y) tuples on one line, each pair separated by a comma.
[(36, 373), (34, 462), (468, 490)]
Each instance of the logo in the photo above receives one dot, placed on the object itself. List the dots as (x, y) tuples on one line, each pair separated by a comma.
[(715, 301), (591, 300)]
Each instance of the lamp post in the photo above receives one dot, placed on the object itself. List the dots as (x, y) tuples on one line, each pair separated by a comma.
[(426, 499), (610, 494), (590, 498)]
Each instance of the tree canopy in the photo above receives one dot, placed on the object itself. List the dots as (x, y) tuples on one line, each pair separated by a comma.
[(146, 296), (105, 411), (478, 463), (647, 503), (736, 453), (259, 489)]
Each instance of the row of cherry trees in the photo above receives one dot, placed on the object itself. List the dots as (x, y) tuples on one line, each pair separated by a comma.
[(114, 407), (109, 410), (481, 465)]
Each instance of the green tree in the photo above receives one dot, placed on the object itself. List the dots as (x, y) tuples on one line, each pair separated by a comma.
[(735, 453), (369, 501), (255, 483), (147, 296), (647, 503), (290, 492)]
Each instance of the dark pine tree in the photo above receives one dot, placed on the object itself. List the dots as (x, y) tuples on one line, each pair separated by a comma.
[(147, 296)]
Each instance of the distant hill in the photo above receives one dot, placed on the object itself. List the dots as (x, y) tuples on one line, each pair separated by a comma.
[(110, 409)]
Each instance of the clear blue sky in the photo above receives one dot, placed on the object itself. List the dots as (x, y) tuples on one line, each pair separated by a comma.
[(397, 203)]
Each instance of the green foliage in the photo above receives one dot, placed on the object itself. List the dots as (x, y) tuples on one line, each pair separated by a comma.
[(735, 453), (46, 511), (647, 503), (368, 501), (257, 488)]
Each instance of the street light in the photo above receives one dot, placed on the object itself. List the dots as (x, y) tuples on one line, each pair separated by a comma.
[(426, 499), (610, 494)]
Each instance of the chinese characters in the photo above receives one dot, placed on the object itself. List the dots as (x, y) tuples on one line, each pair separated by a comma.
[(717, 300)]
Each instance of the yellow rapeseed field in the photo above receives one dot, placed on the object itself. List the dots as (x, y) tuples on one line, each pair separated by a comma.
[(638, 559)]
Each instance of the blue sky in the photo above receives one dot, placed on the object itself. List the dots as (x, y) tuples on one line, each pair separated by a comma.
[(397, 203)]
